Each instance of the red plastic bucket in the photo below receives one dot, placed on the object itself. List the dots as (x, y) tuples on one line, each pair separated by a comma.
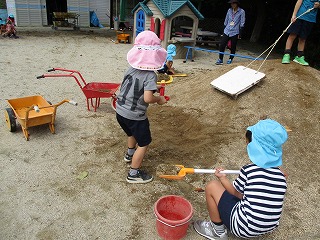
[(173, 216)]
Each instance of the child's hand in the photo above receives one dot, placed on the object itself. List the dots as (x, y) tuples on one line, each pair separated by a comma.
[(162, 100), (218, 174)]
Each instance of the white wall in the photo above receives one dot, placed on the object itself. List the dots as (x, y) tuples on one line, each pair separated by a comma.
[(26, 12), (34, 12), (81, 7), (102, 9)]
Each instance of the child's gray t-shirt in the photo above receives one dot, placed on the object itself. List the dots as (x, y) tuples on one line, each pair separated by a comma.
[(130, 103)]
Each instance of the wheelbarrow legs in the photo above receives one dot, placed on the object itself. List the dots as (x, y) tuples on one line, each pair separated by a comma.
[(88, 104), (93, 104), (51, 127), (25, 133), (96, 105)]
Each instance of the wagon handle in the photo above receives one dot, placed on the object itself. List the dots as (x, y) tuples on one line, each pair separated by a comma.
[(51, 70)]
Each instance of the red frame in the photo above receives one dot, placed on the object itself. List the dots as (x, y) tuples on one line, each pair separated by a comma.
[(92, 90)]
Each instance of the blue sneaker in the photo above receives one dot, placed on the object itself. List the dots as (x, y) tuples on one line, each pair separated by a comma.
[(229, 61), (219, 62)]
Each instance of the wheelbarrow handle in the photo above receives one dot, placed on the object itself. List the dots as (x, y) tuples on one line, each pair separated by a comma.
[(66, 101), (51, 70), (36, 108), (42, 76), (73, 102)]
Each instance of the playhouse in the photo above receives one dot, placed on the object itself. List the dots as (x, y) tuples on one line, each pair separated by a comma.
[(174, 21)]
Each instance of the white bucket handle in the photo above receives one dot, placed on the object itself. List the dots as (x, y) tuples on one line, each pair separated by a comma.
[(167, 224)]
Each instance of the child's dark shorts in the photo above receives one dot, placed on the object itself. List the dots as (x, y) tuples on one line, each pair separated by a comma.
[(140, 130), (301, 27), (225, 206), (164, 69)]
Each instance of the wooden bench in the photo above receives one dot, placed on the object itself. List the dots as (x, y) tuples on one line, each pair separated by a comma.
[(61, 19), (182, 34), (207, 42), (192, 48)]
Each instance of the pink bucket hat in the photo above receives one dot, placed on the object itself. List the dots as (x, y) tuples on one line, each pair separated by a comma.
[(147, 52)]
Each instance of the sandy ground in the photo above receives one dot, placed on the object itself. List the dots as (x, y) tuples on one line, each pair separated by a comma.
[(40, 194)]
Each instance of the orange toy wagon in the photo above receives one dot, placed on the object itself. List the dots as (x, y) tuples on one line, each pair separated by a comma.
[(31, 111), (123, 37)]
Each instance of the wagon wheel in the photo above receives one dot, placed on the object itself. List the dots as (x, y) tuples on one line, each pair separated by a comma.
[(10, 119)]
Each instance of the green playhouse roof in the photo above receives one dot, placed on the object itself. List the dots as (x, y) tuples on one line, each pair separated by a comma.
[(168, 8)]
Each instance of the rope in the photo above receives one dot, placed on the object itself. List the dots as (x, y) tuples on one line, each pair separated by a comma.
[(274, 44)]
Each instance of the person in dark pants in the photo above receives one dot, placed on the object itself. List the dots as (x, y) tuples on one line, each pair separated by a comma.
[(233, 26), (136, 93), (300, 28)]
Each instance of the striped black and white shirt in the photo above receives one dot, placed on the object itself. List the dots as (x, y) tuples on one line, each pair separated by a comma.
[(259, 211)]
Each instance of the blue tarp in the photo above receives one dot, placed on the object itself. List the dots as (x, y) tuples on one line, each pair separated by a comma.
[(3, 15), (94, 20)]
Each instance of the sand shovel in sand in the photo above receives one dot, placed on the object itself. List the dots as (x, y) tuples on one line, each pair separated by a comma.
[(179, 75), (183, 171)]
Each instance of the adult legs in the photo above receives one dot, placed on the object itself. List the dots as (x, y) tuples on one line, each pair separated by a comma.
[(222, 46), (234, 41)]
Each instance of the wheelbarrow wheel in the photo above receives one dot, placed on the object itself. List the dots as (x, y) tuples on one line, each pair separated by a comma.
[(113, 103), (10, 119)]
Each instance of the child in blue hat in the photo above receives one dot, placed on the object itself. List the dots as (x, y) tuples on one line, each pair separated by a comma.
[(252, 204), (168, 66)]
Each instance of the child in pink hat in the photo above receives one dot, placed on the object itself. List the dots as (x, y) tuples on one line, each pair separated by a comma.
[(136, 93)]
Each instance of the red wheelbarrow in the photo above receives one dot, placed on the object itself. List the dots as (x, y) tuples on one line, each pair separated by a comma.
[(93, 91)]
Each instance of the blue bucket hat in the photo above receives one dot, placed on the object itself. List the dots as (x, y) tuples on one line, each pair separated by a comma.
[(11, 15), (265, 148), (171, 52)]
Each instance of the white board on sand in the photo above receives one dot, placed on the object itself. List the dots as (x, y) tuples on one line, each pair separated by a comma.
[(237, 80)]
